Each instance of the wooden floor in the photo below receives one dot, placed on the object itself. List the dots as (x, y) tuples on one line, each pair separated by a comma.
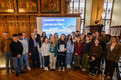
[(40, 74)]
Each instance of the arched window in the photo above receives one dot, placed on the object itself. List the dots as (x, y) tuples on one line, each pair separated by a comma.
[(78, 6), (107, 14)]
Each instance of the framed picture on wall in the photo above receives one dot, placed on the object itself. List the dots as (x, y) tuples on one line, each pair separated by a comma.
[(50, 6), (7, 6), (27, 6)]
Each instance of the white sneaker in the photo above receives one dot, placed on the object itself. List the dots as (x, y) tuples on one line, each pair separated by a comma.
[(29, 68), (47, 68), (63, 69), (83, 69), (44, 68), (59, 69), (69, 66), (41, 66)]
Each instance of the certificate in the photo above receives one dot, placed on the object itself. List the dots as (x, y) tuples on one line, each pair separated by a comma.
[(61, 48)]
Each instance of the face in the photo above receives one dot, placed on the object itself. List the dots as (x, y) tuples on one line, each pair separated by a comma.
[(69, 37), (77, 33), (113, 40), (35, 31), (46, 40), (52, 38), (5, 35), (56, 35), (50, 35), (82, 37), (96, 33), (96, 41), (20, 37), (15, 38), (87, 38), (73, 33), (24, 34), (41, 38), (62, 37), (33, 36), (44, 34), (103, 33), (91, 36)]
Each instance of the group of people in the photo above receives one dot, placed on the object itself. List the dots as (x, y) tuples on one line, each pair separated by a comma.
[(88, 52)]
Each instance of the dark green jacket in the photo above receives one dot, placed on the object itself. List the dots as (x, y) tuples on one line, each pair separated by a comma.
[(53, 49), (115, 54)]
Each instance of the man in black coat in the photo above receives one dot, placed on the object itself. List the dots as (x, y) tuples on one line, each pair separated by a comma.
[(33, 50)]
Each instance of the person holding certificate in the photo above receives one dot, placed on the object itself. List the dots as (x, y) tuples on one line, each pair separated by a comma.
[(61, 52)]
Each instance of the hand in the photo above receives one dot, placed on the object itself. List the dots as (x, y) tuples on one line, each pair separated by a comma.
[(70, 52), (65, 49), (18, 56), (76, 53), (26, 52), (87, 56), (93, 58), (30, 53), (116, 61), (58, 50)]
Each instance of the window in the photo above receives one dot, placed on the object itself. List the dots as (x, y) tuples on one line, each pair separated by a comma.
[(107, 14), (78, 6)]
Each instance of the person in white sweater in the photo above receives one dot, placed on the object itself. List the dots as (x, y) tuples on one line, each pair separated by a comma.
[(45, 53), (40, 52), (25, 51)]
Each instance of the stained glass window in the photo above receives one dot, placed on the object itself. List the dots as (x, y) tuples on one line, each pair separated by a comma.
[(107, 13), (78, 6)]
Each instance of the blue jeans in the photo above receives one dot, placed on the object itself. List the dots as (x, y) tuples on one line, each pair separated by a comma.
[(18, 63), (69, 58), (8, 57), (25, 58)]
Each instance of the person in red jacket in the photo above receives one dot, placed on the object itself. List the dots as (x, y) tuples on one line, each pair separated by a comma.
[(78, 50)]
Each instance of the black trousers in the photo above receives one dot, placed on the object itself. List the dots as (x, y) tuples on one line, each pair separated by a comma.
[(46, 60), (110, 67), (35, 58), (61, 59), (94, 65)]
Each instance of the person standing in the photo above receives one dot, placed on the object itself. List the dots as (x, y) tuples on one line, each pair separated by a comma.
[(61, 52), (53, 53), (86, 51), (25, 51), (17, 50), (70, 50), (113, 53), (78, 51), (95, 53), (104, 38), (40, 52), (46, 53), (33, 50), (5, 49)]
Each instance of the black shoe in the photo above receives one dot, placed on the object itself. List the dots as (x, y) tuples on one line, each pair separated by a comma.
[(17, 74), (78, 67), (22, 71), (75, 67), (53, 69)]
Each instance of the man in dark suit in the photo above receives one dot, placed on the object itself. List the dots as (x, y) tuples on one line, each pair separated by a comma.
[(37, 36), (33, 50)]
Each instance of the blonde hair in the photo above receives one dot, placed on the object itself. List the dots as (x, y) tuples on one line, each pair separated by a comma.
[(117, 39), (54, 43)]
